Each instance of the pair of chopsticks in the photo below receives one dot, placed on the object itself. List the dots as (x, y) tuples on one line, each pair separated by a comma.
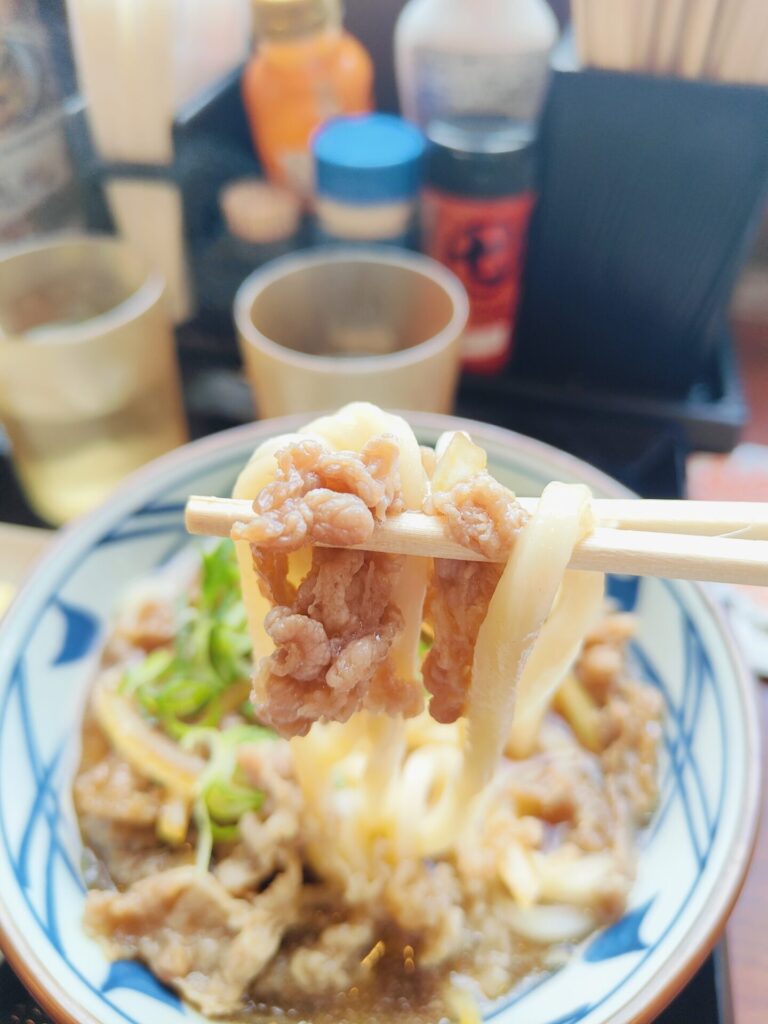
[(716, 541), (721, 40)]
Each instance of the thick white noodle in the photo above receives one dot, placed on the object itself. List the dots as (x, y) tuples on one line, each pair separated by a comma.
[(379, 741), (577, 609), (420, 784), (518, 609), (257, 473)]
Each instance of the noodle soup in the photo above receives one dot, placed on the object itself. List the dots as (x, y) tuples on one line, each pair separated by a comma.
[(320, 845)]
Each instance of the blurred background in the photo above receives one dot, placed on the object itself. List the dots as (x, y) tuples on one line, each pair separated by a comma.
[(543, 214), (594, 176)]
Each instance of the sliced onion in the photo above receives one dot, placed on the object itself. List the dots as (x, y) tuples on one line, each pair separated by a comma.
[(550, 923), (148, 751)]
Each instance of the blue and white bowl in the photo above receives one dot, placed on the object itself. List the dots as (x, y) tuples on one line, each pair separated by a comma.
[(694, 854)]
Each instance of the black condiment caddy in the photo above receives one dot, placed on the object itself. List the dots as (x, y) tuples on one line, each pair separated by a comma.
[(650, 194)]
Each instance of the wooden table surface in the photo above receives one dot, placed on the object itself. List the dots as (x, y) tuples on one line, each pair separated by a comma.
[(746, 932)]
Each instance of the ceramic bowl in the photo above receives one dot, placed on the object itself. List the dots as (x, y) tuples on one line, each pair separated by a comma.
[(693, 855)]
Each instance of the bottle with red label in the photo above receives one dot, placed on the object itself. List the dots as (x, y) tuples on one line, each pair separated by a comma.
[(475, 214)]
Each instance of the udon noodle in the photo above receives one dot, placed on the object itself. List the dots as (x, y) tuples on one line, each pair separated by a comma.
[(436, 783)]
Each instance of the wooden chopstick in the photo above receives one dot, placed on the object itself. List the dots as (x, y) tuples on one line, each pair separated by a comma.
[(646, 16), (745, 44), (747, 520), (725, 15), (215, 517), (667, 31), (580, 9), (676, 540), (723, 40), (674, 556)]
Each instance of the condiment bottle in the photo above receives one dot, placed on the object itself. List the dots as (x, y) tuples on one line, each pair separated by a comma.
[(262, 222), (368, 173), (476, 209), (473, 56), (306, 70), (265, 218)]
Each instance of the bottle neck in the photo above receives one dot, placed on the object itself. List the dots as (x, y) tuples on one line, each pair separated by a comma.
[(326, 36)]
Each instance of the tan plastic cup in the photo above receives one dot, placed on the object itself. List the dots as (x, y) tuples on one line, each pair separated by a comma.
[(328, 326), (89, 382)]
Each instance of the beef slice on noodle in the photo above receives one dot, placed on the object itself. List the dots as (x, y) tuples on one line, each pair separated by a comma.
[(481, 514), (333, 644), (325, 497), (484, 516), (333, 634), (271, 839), (457, 600)]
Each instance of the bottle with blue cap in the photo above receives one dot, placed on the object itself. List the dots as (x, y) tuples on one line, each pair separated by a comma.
[(368, 173)]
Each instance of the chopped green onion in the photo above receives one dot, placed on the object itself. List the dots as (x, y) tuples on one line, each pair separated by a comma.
[(204, 676), (182, 696), (189, 688), (228, 802), (219, 577), (224, 833), (222, 798), (147, 671), (233, 699)]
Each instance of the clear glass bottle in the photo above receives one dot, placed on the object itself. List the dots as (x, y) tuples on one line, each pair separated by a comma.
[(457, 57)]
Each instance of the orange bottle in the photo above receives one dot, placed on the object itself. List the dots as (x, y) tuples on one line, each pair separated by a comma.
[(306, 70)]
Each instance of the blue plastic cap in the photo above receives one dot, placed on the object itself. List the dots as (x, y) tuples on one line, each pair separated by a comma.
[(374, 158)]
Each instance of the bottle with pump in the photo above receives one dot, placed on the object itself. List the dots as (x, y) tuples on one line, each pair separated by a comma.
[(306, 69), (460, 57)]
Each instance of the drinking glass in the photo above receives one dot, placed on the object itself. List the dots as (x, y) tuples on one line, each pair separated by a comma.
[(334, 325), (89, 381)]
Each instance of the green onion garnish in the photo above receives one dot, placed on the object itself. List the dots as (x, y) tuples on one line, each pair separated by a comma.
[(204, 676)]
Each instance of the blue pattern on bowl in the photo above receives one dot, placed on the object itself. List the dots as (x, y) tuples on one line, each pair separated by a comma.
[(81, 629), (620, 938), (51, 646), (132, 975)]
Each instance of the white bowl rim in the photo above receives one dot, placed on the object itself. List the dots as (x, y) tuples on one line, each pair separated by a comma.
[(704, 929)]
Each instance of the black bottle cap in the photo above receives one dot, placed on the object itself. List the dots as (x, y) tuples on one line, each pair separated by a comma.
[(480, 156)]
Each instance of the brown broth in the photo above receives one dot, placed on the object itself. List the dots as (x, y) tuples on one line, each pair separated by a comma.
[(394, 989), (397, 990)]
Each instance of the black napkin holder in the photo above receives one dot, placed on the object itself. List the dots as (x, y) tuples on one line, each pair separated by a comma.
[(650, 192)]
